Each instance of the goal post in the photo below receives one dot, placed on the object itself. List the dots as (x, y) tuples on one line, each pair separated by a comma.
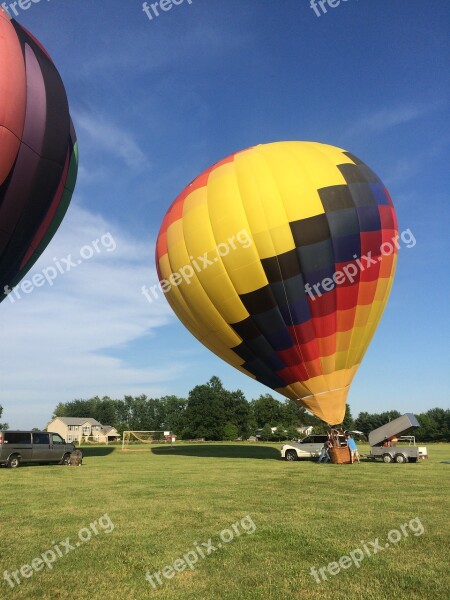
[(147, 437)]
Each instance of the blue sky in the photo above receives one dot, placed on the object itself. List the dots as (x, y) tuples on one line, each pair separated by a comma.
[(156, 102)]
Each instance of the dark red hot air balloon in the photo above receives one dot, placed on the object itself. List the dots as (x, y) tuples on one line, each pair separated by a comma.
[(38, 151)]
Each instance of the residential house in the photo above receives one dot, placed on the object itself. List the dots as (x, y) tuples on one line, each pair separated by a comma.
[(80, 429)]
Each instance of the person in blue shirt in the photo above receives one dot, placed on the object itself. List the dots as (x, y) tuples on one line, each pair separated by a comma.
[(353, 448)]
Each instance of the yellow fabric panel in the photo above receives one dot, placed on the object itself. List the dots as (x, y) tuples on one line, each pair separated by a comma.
[(343, 339), (341, 359), (328, 364), (282, 239), (384, 286), (360, 335), (329, 406), (197, 232), (215, 343), (321, 170), (164, 265), (297, 190), (207, 314), (343, 377), (264, 244), (247, 278), (316, 384), (242, 264), (175, 234), (252, 165), (213, 277), (294, 391), (362, 314), (204, 314), (298, 186), (333, 153), (232, 309), (195, 199)]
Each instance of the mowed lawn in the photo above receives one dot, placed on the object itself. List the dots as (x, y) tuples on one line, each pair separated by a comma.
[(162, 501)]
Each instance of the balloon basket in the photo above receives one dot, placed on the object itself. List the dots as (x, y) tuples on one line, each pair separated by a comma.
[(340, 456)]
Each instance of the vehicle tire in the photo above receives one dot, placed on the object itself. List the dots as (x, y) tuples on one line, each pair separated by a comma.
[(387, 458), (413, 459), (13, 461), (401, 458), (65, 460), (291, 455)]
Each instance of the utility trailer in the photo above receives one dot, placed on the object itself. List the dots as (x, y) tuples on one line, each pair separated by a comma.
[(383, 441)]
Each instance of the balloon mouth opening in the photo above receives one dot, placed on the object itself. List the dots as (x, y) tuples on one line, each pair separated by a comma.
[(329, 405)]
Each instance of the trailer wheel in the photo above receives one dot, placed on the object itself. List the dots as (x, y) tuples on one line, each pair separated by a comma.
[(387, 458), (401, 458)]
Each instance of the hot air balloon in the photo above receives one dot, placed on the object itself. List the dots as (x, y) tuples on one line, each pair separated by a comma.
[(296, 306), (38, 151)]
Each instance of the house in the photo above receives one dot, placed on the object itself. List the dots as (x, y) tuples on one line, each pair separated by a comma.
[(305, 430), (82, 429)]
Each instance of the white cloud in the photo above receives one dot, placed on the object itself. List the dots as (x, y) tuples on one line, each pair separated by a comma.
[(58, 340), (112, 139), (380, 120)]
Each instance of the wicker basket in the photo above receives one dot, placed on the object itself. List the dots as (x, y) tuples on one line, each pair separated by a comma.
[(340, 456)]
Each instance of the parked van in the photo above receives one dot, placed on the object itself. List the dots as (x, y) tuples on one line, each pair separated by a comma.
[(17, 447)]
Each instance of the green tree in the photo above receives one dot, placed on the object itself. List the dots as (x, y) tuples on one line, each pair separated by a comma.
[(205, 415), (348, 423), (280, 432), (237, 411), (230, 432), (266, 433), (3, 425), (292, 433), (293, 414), (267, 409), (172, 413)]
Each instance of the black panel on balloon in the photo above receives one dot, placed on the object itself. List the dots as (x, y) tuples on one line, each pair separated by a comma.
[(369, 218), (258, 301), (283, 266), (316, 256), (336, 197), (354, 158), (246, 329), (362, 194), (310, 230), (343, 222)]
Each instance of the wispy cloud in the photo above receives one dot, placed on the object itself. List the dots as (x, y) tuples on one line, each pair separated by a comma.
[(112, 139), (386, 118), (77, 337)]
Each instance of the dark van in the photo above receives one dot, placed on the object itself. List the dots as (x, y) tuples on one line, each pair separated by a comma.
[(17, 447)]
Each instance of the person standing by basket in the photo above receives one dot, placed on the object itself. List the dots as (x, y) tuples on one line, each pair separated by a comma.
[(353, 448)]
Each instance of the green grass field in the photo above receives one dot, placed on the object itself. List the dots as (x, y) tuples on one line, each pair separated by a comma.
[(161, 501)]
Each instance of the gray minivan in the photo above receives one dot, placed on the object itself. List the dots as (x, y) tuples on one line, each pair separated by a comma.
[(18, 447)]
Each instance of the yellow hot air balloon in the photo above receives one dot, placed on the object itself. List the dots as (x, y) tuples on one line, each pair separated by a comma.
[(280, 260)]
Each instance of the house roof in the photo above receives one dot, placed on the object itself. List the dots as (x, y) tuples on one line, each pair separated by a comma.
[(77, 420), (107, 429)]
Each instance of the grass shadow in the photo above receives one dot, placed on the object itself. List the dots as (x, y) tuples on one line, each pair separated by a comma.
[(96, 450), (220, 451)]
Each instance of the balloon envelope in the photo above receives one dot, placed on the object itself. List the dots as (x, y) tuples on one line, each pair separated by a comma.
[(280, 260), (38, 151)]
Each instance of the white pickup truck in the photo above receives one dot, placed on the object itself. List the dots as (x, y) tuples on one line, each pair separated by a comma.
[(384, 441)]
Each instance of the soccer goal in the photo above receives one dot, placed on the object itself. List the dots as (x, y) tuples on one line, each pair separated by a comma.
[(146, 437)]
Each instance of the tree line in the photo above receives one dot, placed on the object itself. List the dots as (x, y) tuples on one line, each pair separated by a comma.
[(213, 413)]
